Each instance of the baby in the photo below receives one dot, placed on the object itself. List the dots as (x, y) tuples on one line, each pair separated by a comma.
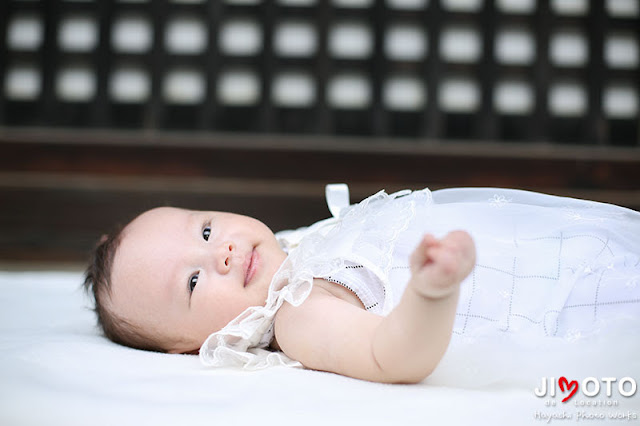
[(175, 276), (173, 279)]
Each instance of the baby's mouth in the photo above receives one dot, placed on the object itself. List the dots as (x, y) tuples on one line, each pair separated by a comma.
[(251, 266)]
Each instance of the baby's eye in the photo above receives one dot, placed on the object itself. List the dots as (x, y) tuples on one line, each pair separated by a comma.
[(206, 233), (192, 282)]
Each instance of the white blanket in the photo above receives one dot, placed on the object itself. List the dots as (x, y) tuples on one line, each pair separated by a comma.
[(56, 369)]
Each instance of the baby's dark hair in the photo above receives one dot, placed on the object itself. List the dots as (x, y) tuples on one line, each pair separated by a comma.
[(98, 282)]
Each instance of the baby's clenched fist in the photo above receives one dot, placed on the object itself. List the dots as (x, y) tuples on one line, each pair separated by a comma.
[(438, 266)]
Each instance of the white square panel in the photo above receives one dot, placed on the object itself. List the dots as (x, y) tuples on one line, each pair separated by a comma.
[(404, 93), (25, 32), (184, 86), (462, 44), (350, 40), (568, 48), (623, 8), (621, 50), (295, 38), (620, 101), (78, 33), (76, 83), (459, 95), (570, 7), (186, 35), (407, 4), (297, 3), (462, 5), (238, 87), (405, 42), (241, 37), (516, 6), (513, 97), (349, 91), (129, 84), (22, 83), (515, 46), (352, 3), (568, 99), (293, 89), (132, 33)]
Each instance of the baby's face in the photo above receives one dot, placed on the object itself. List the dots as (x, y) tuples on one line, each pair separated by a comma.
[(185, 274)]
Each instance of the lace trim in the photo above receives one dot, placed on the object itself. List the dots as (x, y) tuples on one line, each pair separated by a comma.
[(312, 253)]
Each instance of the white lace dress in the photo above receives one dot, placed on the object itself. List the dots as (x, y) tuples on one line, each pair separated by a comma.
[(553, 276)]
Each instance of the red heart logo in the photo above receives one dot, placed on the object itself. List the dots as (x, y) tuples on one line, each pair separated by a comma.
[(563, 382)]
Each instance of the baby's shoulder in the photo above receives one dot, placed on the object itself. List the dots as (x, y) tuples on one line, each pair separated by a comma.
[(313, 331)]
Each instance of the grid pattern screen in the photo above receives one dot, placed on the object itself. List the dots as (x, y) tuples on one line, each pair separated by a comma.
[(508, 70)]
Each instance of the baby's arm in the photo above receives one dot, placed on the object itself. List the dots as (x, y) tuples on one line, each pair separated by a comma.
[(328, 333)]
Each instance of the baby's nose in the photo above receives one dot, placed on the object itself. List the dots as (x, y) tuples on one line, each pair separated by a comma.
[(225, 257)]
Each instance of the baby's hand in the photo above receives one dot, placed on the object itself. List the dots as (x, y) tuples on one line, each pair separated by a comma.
[(439, 266)]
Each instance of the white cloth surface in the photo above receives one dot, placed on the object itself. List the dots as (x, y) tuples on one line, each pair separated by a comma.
[(56, 369)]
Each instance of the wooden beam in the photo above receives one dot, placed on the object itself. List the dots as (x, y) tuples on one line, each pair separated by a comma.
[(60, 189)]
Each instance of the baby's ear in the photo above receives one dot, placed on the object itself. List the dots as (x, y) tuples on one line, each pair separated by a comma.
[(103, 238)]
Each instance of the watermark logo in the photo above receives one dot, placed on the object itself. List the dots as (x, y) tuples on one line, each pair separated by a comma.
[(593, 398), (591, 387)]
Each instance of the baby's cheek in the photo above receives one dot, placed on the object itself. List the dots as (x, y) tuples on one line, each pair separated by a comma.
[(224, 311)]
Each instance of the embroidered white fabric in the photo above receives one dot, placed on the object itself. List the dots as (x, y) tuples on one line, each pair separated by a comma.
[(558, 277)]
